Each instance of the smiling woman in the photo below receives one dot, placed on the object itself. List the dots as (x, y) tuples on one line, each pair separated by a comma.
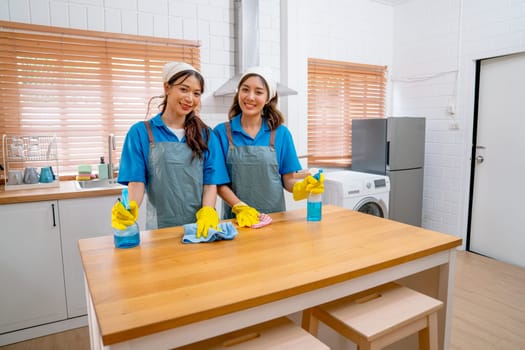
[(80, 85)]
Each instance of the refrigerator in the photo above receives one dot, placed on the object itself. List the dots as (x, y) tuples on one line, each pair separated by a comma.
[(393, 146)]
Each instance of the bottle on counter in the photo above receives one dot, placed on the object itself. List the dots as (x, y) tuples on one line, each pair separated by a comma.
[(130, 236), (103, 169), (314, 208)]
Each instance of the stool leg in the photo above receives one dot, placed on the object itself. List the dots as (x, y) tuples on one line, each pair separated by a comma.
[(309, 322), (428, 337)]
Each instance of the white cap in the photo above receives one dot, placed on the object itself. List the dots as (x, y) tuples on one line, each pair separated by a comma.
[(264, 73), (172, 68)]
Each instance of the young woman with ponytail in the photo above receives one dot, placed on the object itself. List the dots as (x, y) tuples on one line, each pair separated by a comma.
[(174, 158)]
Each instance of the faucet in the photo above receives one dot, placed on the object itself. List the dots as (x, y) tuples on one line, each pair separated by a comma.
[(111, 147)]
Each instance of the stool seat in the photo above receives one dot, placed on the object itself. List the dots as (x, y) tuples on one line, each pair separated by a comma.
[(278, 334), (378, 317)]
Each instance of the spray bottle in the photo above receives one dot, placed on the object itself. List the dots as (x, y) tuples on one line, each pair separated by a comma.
[(130, 236), (315, 203)]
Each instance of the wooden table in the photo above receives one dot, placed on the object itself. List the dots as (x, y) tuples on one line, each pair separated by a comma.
[(164, 294)]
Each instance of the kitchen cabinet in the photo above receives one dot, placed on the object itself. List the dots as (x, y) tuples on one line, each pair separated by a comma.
[(41, 275), (83, 218), (31, 271)]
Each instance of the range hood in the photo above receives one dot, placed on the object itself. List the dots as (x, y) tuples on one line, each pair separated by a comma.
[(246, 24)]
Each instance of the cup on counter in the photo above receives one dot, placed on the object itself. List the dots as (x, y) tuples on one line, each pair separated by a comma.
[(46, 175), (15, 177), (31, 176)]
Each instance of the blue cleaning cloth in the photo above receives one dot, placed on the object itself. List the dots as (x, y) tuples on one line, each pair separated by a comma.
[(226, 231)]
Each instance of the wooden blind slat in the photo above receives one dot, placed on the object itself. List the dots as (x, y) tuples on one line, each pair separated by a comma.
[(80, 85)]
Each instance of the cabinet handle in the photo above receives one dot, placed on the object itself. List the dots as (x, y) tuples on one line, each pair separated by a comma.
[(53, 208)]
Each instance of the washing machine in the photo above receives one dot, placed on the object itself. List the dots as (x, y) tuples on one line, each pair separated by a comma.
[(363, 192)]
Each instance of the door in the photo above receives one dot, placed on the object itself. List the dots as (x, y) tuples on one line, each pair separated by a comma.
[(498, 196), (369, 145), (405, 143), (31, 273), (83, 218), (406, 196)]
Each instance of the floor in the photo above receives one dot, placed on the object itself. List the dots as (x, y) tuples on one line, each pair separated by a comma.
[(488, 310), (489, 305), (75, 339)]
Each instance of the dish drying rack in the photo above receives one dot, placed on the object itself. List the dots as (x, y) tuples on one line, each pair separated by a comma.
[(20, 152)]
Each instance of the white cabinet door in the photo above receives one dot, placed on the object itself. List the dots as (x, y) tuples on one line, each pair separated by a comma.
[(31, 274), (83, 218)]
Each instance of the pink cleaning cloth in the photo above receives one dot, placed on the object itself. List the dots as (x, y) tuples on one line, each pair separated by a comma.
[(264, 220)]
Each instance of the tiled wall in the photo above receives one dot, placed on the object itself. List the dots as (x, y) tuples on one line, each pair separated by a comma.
[(425, 84)]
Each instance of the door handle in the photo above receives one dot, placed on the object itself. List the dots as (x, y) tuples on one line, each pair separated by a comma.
[(54, 219), (480, 159)]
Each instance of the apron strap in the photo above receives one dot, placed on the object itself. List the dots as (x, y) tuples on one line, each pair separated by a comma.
[(150, 134), (229, 134), (272, 139)]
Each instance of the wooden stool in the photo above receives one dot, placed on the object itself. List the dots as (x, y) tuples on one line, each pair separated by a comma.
[(379, 316), (281, 334)]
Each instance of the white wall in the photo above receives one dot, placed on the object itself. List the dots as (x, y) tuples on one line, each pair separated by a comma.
[(436, 44), (424, 83), (429, 46)]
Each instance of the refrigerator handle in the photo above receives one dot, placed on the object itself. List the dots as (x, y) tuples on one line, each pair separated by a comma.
[(388, 154)]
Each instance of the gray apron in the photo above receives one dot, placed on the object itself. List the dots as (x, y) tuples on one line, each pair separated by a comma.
[(255, 177), (174, 184)]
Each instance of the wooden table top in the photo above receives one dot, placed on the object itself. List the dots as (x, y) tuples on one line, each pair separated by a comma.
[(164, 283)]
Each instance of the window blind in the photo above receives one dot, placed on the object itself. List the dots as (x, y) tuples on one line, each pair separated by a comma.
[(339, 92), (81, 85)]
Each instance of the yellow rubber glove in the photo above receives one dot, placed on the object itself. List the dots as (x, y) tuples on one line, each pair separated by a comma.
[(301, 189), (121, 217), (207, 218), (246, 216), (316, 186)]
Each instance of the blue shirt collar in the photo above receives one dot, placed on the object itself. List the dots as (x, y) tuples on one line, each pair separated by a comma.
[(236, 124), (157, 120)]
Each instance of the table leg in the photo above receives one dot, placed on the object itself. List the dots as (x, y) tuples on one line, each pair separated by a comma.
[(447, 274), (94, 334)]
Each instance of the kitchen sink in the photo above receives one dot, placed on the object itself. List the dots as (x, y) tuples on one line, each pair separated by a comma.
[(105, 183)]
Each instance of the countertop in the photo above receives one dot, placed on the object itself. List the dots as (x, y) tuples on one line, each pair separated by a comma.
[(65, 190), (163, 284)]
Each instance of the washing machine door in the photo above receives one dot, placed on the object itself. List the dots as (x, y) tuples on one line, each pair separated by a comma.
[(372, 206)]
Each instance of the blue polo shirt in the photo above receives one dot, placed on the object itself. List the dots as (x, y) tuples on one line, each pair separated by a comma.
[(284, 146), (135, 154)]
